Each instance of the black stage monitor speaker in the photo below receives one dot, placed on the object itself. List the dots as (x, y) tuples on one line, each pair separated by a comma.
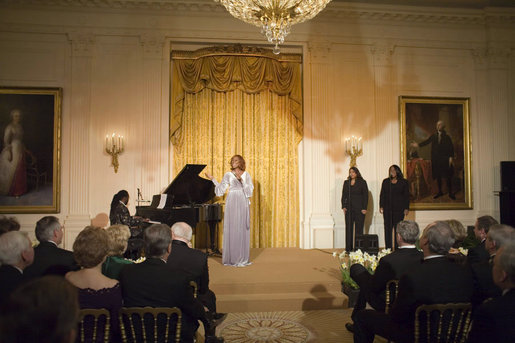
[(507, 193), (368, 243), (507, 176)]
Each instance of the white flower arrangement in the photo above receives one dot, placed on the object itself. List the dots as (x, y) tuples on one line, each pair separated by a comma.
[(348, 259), (139, 260)]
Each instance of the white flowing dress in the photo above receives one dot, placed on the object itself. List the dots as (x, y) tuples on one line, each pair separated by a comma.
[(236, 242)]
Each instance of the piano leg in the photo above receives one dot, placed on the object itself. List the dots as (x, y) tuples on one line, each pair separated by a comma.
[(212, 232)]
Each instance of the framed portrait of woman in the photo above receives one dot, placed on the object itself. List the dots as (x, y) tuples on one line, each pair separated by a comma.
[(30, 127), (435, 152)]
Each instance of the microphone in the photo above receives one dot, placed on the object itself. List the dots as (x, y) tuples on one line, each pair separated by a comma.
[(391, 177), (139, 194)]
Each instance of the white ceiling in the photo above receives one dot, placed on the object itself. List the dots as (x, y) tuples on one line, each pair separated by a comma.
[(439, 3)]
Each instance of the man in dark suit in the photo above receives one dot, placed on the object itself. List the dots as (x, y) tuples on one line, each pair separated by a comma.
[(478, 253), (372, 288), (16, 253), (437, 280), (151, 283), (48, 257), (484, 286), (192, 263), (493, 320), (442, 154)]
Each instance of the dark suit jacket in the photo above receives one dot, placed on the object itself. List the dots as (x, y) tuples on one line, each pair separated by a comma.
[(10, 279), (355, 197), (435, 281), (494, 321), (391, 266), (50, 259), (484, 286), (151, 283), (190, 262), (478, 254), (398, 200)]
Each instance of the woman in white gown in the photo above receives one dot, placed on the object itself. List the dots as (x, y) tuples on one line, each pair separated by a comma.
[(13, 174), (236, 242)]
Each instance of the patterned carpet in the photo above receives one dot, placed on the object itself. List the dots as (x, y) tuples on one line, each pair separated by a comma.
[(286, 327)]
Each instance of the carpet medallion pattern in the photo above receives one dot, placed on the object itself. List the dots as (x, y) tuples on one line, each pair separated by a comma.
[(274, 327)]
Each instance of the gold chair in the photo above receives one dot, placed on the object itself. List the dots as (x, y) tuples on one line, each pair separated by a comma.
[(150, 324), (440, 323), (94, 325), (193, 284), (392, 287)]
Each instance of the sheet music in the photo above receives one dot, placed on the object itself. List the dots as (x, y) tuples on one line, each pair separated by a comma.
[(162, 201)]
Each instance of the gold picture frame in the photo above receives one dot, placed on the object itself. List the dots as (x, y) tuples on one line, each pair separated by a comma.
[(436, 163), (30, 152)]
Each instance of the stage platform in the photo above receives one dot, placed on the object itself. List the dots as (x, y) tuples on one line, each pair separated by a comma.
[(279, 279)]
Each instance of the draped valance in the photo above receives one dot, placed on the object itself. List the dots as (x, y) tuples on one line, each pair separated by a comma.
[(249, 69)]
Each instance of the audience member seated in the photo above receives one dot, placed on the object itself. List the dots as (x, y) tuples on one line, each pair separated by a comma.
[(460, 233), (479, 253), (118, 236), (8, 224), (151, 283), (437, 280), (372, 288), (43, 310), (95, 290), (48, 257), (494, 319), (16, 253), (484, 286), (192, 263)]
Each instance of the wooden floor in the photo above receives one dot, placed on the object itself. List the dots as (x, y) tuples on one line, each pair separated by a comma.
[(279, 279)]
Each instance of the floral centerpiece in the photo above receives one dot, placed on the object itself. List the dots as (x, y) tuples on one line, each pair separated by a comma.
[(369, 261)]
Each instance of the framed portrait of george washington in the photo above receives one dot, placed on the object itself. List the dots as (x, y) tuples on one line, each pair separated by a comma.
[(30, 125), (435, 152)]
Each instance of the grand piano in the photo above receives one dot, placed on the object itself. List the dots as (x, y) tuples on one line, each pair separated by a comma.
[(186, 200)]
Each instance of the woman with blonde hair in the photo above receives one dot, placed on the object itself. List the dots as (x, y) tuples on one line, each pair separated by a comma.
[(460, 233), (236, 241), (118, 237), (95, 289)]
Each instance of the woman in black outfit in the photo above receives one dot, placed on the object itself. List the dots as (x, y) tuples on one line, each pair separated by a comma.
[(354, 205), (393, 202)]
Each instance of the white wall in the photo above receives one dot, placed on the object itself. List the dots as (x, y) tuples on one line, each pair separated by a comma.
[(113, 65)]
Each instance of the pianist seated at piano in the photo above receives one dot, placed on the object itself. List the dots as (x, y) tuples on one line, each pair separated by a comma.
[(120, 214)]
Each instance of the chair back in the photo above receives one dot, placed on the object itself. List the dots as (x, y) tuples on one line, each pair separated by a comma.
[(193, 285), (150, 324), (440, 323), (94, 325), (392, 287)]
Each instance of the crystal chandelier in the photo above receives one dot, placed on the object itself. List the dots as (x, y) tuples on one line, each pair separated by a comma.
[(274, 17)]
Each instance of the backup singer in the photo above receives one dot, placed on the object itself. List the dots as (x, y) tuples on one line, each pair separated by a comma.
[(354, 206), (393, 202), (236, 242)]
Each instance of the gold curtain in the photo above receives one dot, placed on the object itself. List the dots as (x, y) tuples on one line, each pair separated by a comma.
[(226, 103)]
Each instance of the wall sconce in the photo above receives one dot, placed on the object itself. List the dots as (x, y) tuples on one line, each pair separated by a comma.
[(114, 147), (353, 148)]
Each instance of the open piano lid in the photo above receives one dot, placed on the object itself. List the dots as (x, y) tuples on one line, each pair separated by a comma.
[(188, 188)]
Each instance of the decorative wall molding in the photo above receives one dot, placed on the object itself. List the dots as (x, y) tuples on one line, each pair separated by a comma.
[(82, 43), (319, 51), (333, 11), (382, 53), (153, 44)]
